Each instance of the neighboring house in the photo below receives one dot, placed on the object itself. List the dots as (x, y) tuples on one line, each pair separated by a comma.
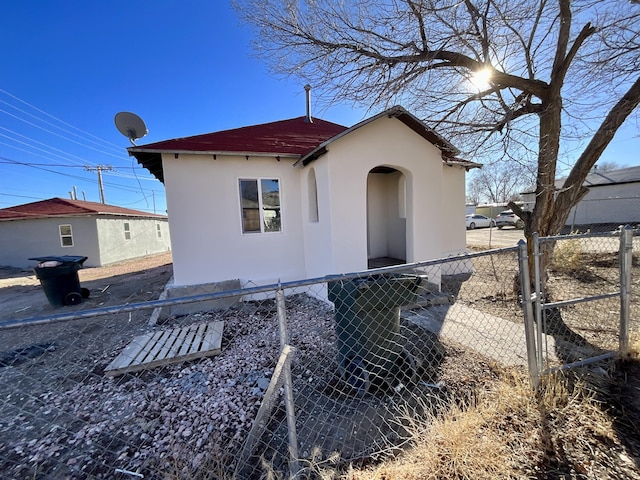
[(103, 233), (613, 199), (303, 198), (491, 210)]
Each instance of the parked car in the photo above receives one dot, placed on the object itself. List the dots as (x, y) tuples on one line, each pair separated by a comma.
[(509, 219), (479, 221)]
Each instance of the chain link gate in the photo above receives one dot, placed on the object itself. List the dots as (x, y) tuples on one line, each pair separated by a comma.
[(574, 313)]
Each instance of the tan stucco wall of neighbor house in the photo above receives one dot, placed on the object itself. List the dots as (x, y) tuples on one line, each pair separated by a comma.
[(24, 239), (203, 203), (143, 237)]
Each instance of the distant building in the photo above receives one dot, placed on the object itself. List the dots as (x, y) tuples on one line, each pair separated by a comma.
[(491, 210), (103, 233), (613, 199)]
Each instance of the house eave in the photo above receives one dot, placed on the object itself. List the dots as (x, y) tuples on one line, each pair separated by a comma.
[(214, 152), (151, 159), (456, 162)]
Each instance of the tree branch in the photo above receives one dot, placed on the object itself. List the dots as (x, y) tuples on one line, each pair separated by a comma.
[(572, 188)]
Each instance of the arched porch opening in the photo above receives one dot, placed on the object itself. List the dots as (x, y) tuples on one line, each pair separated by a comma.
[(386, 217)]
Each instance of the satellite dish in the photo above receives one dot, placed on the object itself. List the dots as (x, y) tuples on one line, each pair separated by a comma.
[(131, 126)]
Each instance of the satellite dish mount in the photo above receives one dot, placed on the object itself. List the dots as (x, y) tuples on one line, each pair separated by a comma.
[(131, 126)]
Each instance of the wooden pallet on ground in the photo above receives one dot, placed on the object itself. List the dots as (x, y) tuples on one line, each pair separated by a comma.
[(165, 347)]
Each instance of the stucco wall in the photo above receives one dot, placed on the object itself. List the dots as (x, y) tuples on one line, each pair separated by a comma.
[(318, 243), (388, 142), (143, 238), (453, 211), (206, 234), (204, 206), (24, 239)]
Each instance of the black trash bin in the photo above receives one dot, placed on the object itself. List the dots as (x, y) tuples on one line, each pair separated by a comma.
[(368, 326), (59, 279)]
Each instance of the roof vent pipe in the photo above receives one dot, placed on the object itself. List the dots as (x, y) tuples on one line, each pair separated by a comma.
[(307, 89)]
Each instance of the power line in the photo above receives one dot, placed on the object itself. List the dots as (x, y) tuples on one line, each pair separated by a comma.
[(84, 133), (27, 117)]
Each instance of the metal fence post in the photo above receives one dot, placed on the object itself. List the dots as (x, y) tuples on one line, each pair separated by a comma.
[(289, 404), (626, 259), (538, 297), (527, 308)]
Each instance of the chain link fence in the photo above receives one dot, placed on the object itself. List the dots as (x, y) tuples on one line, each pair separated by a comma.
[(279, 381), (586, 305)]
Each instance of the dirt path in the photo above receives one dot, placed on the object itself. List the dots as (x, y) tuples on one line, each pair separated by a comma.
[(21, 295)]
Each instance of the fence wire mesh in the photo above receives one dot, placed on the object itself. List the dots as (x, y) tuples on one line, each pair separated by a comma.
[(109, 394), (581, 297)]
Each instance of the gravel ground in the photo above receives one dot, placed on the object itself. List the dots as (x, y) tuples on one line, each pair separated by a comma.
[(60, 417)]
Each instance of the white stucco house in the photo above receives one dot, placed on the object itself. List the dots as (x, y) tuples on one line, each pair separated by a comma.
[(104, 234), (613, 199), (304, 197)]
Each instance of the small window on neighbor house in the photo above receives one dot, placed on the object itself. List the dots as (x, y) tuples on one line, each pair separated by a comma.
[(66, 237), (158, 228), (127, 232), (260, 205)]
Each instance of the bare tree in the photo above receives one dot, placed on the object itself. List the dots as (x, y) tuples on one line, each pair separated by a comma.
[(542, 81), (500, 182), (607, 165)]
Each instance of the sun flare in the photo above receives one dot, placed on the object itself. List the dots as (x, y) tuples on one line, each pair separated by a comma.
[(481, 79)]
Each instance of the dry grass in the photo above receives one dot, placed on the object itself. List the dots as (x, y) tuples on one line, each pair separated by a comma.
[(511, 432), (568, 256), (633, 350)]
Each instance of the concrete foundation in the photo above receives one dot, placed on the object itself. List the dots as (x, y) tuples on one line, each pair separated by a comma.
[(204, 306)]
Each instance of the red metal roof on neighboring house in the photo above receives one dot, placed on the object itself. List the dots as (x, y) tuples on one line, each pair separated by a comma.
[(60, 207), (294, 137)]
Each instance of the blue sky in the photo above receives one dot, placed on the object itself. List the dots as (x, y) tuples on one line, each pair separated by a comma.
[(69, 67), (185, 67)]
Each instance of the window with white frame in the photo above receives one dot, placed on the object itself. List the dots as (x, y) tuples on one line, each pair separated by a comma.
[(159, 230), (127, 231), (260, 205), (66, 235)]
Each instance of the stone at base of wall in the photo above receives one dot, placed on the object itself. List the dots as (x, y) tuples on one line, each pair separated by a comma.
[(205, 306)]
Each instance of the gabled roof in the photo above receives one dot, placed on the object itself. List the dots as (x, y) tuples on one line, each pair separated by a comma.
[(405, 117), (296, 138), (60, 207)]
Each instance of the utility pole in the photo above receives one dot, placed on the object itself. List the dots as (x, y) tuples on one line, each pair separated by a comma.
[(99, 169)]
